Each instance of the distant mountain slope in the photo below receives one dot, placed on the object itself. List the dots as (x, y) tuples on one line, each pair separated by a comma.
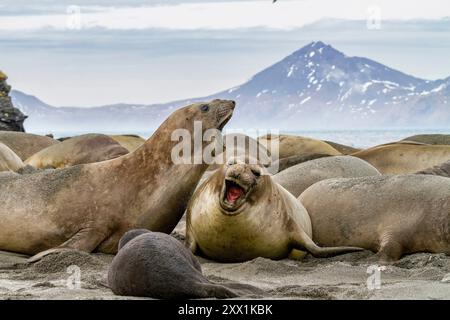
[(314, 87)]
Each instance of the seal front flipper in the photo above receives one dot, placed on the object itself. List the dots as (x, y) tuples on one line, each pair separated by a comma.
[(86, 239), (301, 241)]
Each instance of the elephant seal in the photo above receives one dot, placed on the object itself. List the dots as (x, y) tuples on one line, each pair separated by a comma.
[(403, 158), (89, 207), (283, 146), (298, 178), (9, 161), (342, 148), (288, 162), (240, 213), (434, 139), (25, 144), (87, 148), (391, 215), (442, 170), (156, 265), (129, 141)]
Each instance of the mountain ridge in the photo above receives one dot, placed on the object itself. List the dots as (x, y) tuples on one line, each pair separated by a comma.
[(316, 86)]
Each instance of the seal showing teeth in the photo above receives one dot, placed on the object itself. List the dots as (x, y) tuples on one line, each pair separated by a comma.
[(239, 213), (234, 191)]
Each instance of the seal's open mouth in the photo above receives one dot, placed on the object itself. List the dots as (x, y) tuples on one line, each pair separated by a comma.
[(233, 195), (233, 192)]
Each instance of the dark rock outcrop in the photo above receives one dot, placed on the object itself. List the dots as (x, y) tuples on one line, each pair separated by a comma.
[(11, 119)]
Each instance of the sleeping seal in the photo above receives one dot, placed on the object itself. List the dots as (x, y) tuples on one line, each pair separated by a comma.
[(25, 144), (391, 215), (9, 161), (287, 146), (86, 148), (298, 178), (240, 213), (404, 157)]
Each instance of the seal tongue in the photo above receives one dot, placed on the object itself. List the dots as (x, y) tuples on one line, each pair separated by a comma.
[(234, 192)]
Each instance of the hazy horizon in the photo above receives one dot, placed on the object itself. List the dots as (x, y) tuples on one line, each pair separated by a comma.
[(146, 52)]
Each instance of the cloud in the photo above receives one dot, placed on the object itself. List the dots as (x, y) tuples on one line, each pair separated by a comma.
[(218, 15)]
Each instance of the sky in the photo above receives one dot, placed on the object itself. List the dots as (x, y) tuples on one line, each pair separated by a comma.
[(97, 52)]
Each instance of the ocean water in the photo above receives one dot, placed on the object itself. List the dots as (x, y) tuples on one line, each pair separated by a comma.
[(355, 138)]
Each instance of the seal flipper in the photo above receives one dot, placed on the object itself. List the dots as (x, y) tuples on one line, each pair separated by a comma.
[(216, 290), (301, 241), (86, 239), (390, 249)]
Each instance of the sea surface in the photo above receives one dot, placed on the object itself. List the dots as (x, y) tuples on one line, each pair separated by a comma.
[(360, 138)]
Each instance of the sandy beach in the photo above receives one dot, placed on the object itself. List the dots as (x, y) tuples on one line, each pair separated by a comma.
[(417, 276)]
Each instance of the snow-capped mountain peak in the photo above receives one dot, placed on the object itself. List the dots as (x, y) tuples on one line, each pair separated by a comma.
[(316, 86)]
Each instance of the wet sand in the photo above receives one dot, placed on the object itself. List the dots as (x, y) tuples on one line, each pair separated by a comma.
[(417, 276)]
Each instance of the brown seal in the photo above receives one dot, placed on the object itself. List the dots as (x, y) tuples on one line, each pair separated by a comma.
[(434, 139), (283, 146), (391, 215), (404, 157), (129, 141), (89, 207), (285, 163), (442, 170), (298, 178), (240, 213), (9, 161), (87, 148), (342, 148), (156, 265), (25, 144)]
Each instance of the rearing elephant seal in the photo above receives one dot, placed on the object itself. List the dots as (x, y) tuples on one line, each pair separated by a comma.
[(239, 214), (9, 161), (156, 265), (25, 144), (391, 215), (89, 207), (404, 157), (87, 148), (298, 178)]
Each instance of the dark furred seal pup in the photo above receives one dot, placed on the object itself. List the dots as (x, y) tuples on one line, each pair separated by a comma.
[(89, 207), (240, 213), (156, 265)]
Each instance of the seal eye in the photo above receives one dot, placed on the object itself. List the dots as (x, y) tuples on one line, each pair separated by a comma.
[(204, 108)]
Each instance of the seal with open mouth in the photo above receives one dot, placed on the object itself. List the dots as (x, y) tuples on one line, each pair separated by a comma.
[(240, 213)]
